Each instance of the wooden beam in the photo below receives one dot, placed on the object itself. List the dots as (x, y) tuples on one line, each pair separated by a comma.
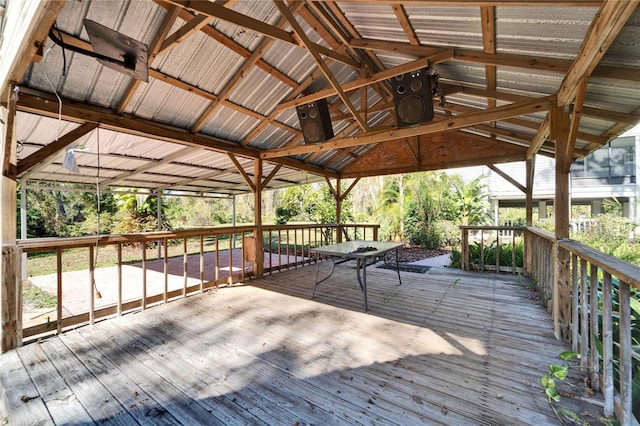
[(10, 269), (611, 18), (54, 147), (244, 174), (440, 56), (487, 19), (508, 178), (273, 173), (517, 3), (187, 30), (539, 139), (451, 123), (535, 63), (216, 11), (403, 19), (149, 166), (154, 47), (31, 39), (230, 44), (575, 122), (9, 169), (284, 10), (348, 190), (45, 104)]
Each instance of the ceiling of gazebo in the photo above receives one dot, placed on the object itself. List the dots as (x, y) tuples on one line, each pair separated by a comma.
[(225, 78)]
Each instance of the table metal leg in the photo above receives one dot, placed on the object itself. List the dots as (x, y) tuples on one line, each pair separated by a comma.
[(333, 268), (398, 268), (362, 264)]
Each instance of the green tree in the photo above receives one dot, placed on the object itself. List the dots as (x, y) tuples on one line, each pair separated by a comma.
[(391, 209), (470, 198), (310, 203)]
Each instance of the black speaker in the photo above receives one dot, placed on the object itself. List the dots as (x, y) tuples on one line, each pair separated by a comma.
[(315, 121), (413, 98)]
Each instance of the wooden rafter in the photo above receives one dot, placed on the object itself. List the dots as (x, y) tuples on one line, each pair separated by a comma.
[(403, 19), (437, 57), (216, 11), (153, 50), (311, 48), (488, 18), (560, 66), (149, 166), (54, 147), (508, 178), (603, 30), (189, 28), (245, 175)]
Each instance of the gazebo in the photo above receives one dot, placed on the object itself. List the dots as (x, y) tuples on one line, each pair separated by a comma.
[(232, 97)]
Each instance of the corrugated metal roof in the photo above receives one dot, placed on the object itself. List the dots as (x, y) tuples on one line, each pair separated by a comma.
[(189, 90)]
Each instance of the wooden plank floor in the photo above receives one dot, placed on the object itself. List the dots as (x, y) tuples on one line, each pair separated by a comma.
[(445, 347)]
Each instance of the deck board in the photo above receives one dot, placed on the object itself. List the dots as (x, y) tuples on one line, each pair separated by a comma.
[(445, 347)]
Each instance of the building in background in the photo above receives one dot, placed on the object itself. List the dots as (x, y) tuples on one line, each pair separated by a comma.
[(608, 174)]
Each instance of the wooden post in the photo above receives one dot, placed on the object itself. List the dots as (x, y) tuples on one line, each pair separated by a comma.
[(257, 210), (528, 241), (11, 283), (562, 212), (338, 196)]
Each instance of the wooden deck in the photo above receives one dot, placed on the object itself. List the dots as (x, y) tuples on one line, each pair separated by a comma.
[(445, 347)]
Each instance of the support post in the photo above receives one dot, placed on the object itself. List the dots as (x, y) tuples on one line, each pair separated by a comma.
[(11, 282), (562, 213), (257, 209), (23, 224), (338, 198), (159, 220), (528, 247)]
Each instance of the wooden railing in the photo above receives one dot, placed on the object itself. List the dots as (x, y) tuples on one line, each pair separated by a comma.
[(601, 316), (600, 291), (482, 247), (540, 253), (163, 266)]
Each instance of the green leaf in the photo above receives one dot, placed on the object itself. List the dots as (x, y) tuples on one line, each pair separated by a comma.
[(567, 355), (635, 305), (573, 416), (547, 382), (552, 394), (558, 371)]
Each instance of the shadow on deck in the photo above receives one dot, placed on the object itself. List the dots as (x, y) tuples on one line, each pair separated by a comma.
[(445, 347)]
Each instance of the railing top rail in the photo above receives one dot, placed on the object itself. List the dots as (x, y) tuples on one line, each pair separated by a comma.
[(542, 233), (51, 243), (317, 225), (625, 271), (492, 227), (38, 244)]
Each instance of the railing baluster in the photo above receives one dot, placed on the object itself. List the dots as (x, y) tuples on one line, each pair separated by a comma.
[(594, 364), (59, 295), (166, 270), (185, 267), (575, 304), (119, 279), (201, 263), (584, 315), (217, 265), (230, 278), (92, 300), (626, 403), (144, 275), (607, 344)]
